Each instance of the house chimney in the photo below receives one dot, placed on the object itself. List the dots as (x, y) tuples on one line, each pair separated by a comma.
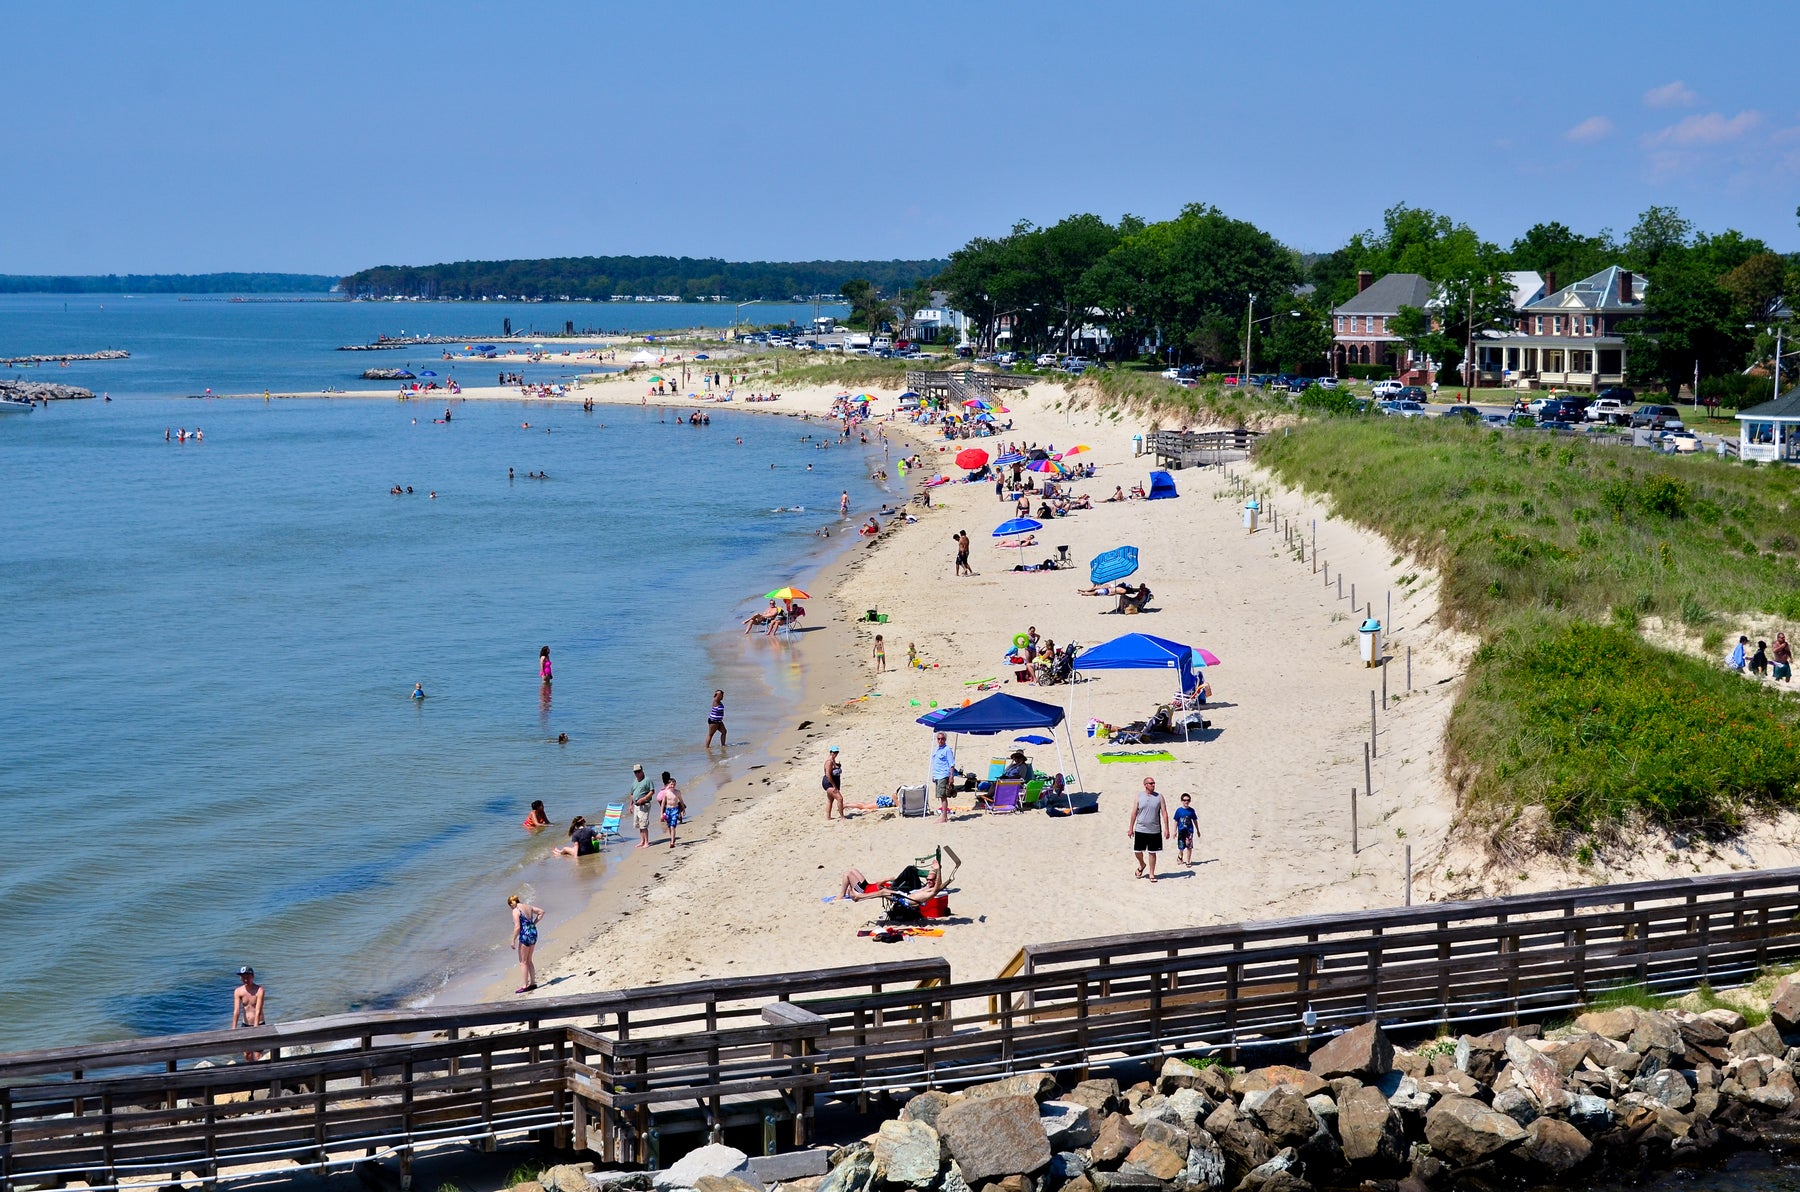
[(1625, 285), (1549, 282), (1364, 279)]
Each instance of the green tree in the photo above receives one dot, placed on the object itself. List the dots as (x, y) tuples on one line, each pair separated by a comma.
[(1299, 339), (1658, 232), (1758, 285), (1688, 321), (1553, 248)]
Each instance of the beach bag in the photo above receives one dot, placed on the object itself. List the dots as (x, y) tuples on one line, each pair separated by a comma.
[(901, 911)]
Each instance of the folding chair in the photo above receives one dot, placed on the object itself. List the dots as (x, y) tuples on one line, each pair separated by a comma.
[(911, 800), (1006, 797), (609, 823), (1193, 722)]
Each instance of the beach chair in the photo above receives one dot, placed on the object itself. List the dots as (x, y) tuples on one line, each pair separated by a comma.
[(609, 823), (1006, 797), (911, 800), (1192, 722)]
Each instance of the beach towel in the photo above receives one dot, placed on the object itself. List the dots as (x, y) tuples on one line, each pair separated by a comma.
[(1111, 756)]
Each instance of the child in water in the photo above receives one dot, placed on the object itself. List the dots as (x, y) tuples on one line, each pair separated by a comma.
[(418, 691)]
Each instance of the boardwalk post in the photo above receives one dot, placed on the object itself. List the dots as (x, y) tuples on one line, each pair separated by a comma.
[(1368, 782), (1388, 624), (1409, 670), (1409, 875), (1372, 745), (1340, 594), (1352, 593), (1353, 842), (1384, 685)]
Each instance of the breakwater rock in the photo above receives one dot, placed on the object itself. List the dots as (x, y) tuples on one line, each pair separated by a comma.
[(386, 374), (1619, 1093), (35, 391), (109, 354)]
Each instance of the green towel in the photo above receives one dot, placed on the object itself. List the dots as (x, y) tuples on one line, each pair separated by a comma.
[(1141, 755)]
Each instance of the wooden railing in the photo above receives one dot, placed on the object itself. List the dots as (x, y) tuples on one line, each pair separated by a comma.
[(616, 1072), (963, 384), (1185, 448)]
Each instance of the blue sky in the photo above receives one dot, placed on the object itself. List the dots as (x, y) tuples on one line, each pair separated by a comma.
[(326, 137)]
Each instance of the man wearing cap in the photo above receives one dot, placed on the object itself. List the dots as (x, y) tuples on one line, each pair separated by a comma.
[(833, 782), (943, 775), (642, 791), (247, 1005)]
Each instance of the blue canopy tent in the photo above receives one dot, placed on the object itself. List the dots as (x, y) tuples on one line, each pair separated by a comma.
[(1162, 487), (1141, 651), (1003, 713)]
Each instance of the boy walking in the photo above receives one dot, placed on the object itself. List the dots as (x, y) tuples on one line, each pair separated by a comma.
[(880, 654), (1186, 824)]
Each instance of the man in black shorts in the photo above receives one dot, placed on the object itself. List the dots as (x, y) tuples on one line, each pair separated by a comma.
[(1149, 825)]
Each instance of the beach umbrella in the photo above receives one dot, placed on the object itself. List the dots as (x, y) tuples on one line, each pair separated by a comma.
[(1075, 450), (428, 373), (971, 458), (703, 356), (1020, 526), (654, 377), (984, 416), (1205, 657), (1045, 465), (1009, 459), (788, 594), (1113, 564)]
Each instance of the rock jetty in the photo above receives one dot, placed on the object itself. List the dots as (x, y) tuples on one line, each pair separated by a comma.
[(1618, 1093), (109, 354), (35, 391), (386, 374)]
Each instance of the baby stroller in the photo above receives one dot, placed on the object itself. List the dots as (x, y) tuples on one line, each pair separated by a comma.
[(1060, 669)]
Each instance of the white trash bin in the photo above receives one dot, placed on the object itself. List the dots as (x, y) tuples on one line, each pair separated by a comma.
[(1251, 508), (1370, 641)]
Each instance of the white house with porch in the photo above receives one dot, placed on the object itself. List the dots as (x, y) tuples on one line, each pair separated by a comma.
[(1770, 433), (1573, 337)]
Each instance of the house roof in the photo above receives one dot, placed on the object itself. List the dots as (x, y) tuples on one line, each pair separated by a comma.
[(1785, 406), (1527, 287), (1388, 295), (1597, 293)]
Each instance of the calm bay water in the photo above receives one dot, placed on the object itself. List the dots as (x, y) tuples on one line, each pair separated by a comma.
[(209, 755)]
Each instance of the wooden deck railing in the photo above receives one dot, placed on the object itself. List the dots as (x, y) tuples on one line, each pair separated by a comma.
[(1186, 448), (615, 1072)]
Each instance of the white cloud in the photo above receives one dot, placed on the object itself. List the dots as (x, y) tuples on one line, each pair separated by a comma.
[(1670, 95), (1713, 128), (1594, 128)]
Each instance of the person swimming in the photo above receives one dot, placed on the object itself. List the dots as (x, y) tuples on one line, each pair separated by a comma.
[(418, 691)]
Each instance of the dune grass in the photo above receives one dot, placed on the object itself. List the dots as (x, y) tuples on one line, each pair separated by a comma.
[(1551, 551)]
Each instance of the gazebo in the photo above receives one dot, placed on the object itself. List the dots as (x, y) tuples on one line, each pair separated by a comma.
[(1770, 433)]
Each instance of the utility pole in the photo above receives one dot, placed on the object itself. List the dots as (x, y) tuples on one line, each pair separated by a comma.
[(1469, 351), (1249, 321)]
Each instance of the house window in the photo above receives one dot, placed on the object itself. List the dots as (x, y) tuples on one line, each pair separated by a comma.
[(1555, 324), (1540, 325), (1340, 324), (1587, 324), (1581, 361)]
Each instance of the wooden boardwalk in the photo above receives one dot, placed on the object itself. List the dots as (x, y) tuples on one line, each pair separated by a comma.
[(1177, 449), (954, 388), (616, 1073)]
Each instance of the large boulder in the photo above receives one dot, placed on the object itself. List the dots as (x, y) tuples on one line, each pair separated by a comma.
[(1369, 1128), (1280, 1173), (1190, 1107), (1156, 1159), (1278, 1076), (1726, 1017), (1036, 1085), (1667, 1087), (1516, 1104), (907, 1152), (1176, 1074), (1591, 1114), (1283, 1115), (1064, 1167), (1214, 1081), (1068, 1126), (567, 1177), (1465, 1131), (993, 1136), (1554, 1146), (1757, 1040), (1101, 1096), (854, 1171), (1538, 1074), (712, 1159), (1616, 1024), (1784, 1006), (1114, 1140), (1360, 1051), (1205, 1164), (925, 1106)]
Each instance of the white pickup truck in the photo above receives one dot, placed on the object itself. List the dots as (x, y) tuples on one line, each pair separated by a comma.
[(1605, 409)]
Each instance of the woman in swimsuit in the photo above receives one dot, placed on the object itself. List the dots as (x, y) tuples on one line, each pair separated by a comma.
[(833, 783), (544, 664), (525, 919), (715, 719)]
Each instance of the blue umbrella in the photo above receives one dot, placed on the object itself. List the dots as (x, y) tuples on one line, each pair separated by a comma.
[(703, 356), (1017, 525), (428, 373), (1113, 564), (984, 417), (1009, 459)]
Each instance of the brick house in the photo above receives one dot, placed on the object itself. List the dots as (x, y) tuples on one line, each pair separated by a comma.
[(1571, 337), (1360, 327)]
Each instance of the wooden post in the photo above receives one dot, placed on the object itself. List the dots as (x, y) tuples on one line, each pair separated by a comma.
[(1409, 875), (1352, 593), (1384, 686), (1340, 594), (1353, 844), (1389, 623), (1373, 748), (1315, 544), (1409, 670), (1368, 784)]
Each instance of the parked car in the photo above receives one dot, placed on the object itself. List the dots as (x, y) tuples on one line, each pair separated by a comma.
[(1620, 394), (1657, 417), (1048, 360), (1496, 420), (1387, 389), (1414, 393), (1535, 406), (1465, 414), (1328, 382), (1574, 409), (1556, 424), (1605, 409), (1404, 409)]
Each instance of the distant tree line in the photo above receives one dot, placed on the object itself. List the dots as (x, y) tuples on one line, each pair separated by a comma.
[(1180, 289), (602, 277), (170, 283)]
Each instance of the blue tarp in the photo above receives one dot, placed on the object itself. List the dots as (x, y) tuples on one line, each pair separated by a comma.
[(1114, 564), (1162, 486), (998, 713), (1141, 651)]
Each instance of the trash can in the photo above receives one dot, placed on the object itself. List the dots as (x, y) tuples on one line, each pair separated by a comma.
[(1137, 442), (1370, 635), (1252, 507)]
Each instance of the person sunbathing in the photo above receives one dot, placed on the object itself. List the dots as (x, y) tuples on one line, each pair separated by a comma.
[(912, 883), (1083, 502), (1102, 590), (1118, 494), (762, 618)]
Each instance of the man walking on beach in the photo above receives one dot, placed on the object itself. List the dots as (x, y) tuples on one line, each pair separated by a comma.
[(247, 1005), (642, 790), (943, 775), (961, 538), (1149, 825)]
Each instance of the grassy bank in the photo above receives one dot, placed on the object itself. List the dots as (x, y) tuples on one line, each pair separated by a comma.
[(1553, 552)]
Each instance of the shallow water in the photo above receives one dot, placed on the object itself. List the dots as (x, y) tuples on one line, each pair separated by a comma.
[(210, 757)]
